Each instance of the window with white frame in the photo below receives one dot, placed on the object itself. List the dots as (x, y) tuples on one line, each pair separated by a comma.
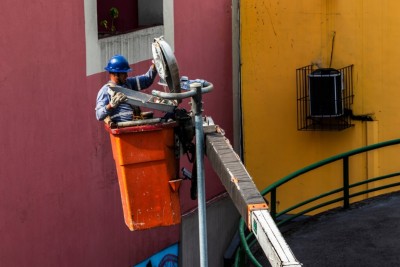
[(130, 32)]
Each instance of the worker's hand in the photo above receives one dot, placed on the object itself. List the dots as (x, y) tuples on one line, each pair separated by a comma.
[(117, 99), (153, 66)]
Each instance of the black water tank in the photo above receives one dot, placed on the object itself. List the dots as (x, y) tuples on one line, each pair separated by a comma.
[(325, 90)]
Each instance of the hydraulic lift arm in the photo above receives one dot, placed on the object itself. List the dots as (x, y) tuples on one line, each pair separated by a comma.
[(247, 199)]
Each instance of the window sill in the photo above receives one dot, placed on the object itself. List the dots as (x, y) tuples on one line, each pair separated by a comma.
[(103, 35)]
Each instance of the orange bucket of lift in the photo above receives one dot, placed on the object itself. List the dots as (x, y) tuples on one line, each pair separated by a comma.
[(147, 169)]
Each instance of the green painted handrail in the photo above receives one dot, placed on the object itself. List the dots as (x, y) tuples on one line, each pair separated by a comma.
[(345, 189), (327, 161), (338, 199), (343, 156)]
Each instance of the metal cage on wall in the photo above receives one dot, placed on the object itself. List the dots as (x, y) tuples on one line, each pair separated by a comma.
[(324, 97)]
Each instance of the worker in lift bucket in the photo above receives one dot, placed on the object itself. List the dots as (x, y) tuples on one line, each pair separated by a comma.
[(110, 104)]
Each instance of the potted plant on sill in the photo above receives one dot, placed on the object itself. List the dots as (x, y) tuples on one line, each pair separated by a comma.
[(109, 25)]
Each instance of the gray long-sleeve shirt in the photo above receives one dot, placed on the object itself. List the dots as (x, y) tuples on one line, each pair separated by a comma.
[(124, 111)]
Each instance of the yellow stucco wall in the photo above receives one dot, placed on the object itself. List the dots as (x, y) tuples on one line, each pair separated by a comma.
[(277, 37)]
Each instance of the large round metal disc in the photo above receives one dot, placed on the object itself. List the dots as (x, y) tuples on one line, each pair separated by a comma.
[(166, 65)]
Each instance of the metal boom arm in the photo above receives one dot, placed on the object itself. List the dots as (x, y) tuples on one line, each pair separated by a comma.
[(248, 200)]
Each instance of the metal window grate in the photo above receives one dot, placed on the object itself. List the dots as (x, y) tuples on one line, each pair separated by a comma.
[(314, 109)]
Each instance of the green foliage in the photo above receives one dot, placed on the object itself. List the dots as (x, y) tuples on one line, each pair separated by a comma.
[(114, 13)]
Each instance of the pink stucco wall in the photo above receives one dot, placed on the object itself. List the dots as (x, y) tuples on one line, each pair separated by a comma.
[(203, 49), (60, 202)]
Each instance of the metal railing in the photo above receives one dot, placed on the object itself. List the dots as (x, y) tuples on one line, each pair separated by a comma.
[(345, 198)]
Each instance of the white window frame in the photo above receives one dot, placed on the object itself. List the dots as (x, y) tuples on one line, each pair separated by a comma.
[(135, 46)]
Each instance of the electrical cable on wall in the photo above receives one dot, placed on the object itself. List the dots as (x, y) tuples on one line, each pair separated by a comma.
[(333, 44)]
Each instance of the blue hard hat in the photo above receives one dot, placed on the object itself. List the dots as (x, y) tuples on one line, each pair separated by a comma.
[(118, 63)]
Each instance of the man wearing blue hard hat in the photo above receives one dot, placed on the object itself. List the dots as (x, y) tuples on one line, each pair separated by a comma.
[(112, 105)]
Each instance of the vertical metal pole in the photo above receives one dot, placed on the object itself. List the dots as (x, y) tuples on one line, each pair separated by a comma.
[(197, 109), (346, 202)]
